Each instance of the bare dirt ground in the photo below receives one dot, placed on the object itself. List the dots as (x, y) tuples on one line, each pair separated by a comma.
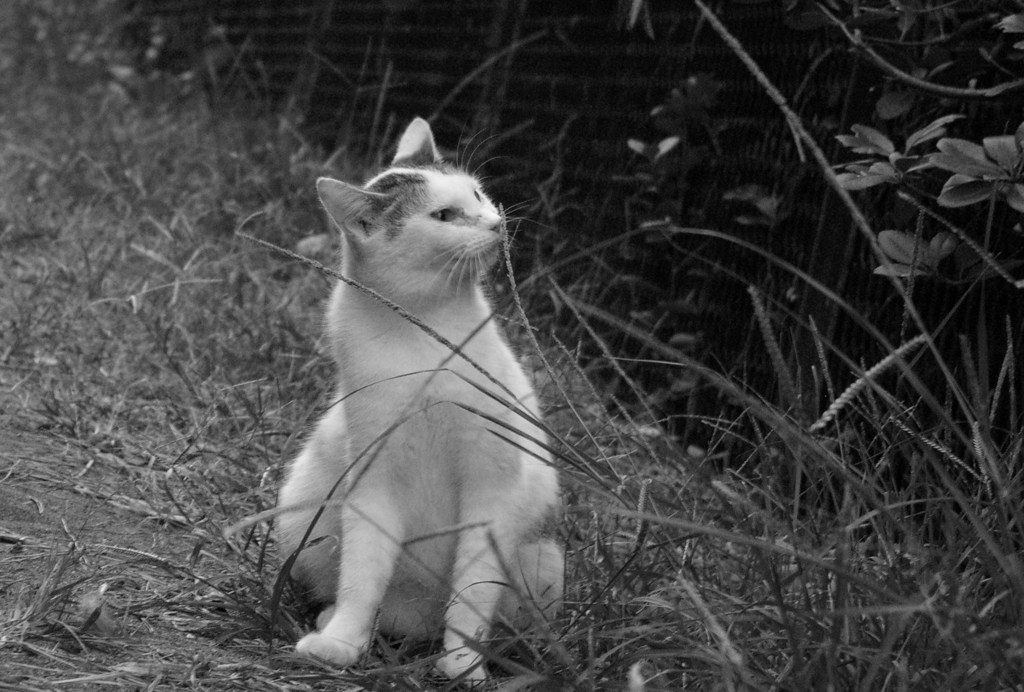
[(101, 586)]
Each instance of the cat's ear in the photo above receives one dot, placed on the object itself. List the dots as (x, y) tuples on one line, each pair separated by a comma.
[(349, 207), (416, 147)]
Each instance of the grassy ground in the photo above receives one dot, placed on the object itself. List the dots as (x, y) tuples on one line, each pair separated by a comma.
[(156, 373)]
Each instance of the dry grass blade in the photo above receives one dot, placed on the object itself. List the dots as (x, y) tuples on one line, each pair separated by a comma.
[(862, 382), (790, 395)]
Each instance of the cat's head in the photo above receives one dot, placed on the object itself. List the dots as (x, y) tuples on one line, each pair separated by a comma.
[(420, 229)]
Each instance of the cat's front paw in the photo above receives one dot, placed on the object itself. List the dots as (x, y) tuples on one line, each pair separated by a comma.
[(455, 663), (326, 648)]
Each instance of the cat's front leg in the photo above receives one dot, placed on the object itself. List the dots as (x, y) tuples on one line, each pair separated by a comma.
[(539, 573), (370, 545), (479, 582)]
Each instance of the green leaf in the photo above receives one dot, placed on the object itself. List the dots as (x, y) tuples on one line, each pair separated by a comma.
[(906, 164), (752, 220), (683, 340), (1014, 196), (899, 246), (884, 168), (751, 192), (893, 104), (666, 145), (942, 245), (908, 18), (858, 167), (806, 19), (963, 148), (966, 158), (861, 181), (961, 166), (634, 12), (962, 190), (867, 140), (1003, 150), (1011, 24), (882, 144), (637, 146), (900, 270), (932, 130)]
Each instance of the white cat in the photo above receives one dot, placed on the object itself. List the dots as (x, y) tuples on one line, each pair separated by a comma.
[(436, 523)]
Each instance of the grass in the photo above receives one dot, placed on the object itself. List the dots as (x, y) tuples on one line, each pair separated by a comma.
[(156, 373)]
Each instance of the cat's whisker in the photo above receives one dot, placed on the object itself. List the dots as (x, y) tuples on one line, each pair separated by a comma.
[(452, 257), (485, 162), (448, 269), (481, 266), (466, 278), (463, 270), (458, 149), (523, 204), (513, 208), (454, 271), (453, 263), (447, 254), (479, 144)]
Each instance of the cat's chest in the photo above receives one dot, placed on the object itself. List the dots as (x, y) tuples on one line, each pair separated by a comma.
[(416, 362)]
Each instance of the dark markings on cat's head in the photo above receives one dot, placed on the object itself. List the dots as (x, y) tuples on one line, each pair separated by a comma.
[(396, 182), (402, 192), (441, 166)]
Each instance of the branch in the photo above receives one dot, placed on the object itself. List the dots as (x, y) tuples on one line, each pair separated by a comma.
[(910, 80)]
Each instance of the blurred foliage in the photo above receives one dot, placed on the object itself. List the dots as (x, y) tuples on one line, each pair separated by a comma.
[(942, 79)]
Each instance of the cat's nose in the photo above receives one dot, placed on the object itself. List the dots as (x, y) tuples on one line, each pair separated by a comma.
[(493, 223)]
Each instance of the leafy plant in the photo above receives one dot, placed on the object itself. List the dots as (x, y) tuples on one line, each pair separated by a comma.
[(893, 165), (993, 169), (911, 257), (987, 172)]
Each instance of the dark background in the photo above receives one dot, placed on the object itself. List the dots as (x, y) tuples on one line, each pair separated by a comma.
[(544, 96)]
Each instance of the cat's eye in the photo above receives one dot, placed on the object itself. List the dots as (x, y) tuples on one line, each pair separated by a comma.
[(446, 214), (476, 193)]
